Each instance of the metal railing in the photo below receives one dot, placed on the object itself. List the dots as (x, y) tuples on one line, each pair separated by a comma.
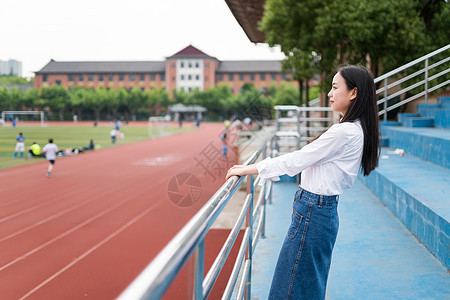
[(156, 278), (430, 73), (299, 126)]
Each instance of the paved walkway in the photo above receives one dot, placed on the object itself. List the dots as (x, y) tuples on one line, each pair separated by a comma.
[(375, 256)]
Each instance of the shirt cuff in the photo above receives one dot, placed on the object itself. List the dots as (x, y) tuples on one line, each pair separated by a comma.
[(262, 171)]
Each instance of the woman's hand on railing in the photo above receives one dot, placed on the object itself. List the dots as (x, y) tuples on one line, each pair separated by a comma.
[(241, 170)]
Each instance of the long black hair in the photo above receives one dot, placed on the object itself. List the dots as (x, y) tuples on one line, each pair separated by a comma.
[(363, 107)]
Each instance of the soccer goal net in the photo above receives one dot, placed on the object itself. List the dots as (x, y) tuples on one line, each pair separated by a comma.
[(21, 115), (157, 126)]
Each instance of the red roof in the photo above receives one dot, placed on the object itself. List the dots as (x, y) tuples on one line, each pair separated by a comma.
[(190, 52)]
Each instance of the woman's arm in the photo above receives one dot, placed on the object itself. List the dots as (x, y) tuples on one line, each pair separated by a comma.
[(240, 170)]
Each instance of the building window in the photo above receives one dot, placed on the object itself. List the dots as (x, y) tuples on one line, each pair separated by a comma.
[(44, 77), (81, 77), (162, 77), (206, 66), (173, 66), (173, 78), (121, 77), (241, 77), (252, 77), (197, 65), (274, 76), (141, 77), (182, 77), (190, 65), (189, 77), (110, 77), (182, 65), (131, 77), (206, 78), (197, 77), (283, 76), (220, 77), (91, 77), (100, 77), (152, 77), (58, 82), (230, 77), (262, 76), (70, 77)]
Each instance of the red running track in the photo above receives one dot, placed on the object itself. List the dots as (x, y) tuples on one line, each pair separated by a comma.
[(92, 227)]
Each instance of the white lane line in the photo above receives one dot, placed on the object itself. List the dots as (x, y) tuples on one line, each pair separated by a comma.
[(98, 245), (53, 216), (38, 206), (91, 219), (40, 222)]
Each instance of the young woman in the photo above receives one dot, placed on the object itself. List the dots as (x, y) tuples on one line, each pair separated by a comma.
[(329, 165)]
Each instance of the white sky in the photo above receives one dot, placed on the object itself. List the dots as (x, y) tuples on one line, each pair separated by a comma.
[(35, 31)]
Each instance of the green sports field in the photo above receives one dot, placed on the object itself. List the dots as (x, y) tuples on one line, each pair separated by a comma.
[(69, 137)]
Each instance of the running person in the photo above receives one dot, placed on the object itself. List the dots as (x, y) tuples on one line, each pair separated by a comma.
[(50, 151), (328, 165), (20, 145)]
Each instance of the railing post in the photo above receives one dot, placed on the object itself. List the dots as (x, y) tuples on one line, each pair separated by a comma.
[(199, 271), (385, 99), (250, 237), (263, 229), (426, 80)]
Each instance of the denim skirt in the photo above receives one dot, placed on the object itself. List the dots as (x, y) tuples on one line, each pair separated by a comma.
[(305, 257)]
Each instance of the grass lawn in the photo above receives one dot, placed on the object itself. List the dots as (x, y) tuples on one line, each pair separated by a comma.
[(68, 137)]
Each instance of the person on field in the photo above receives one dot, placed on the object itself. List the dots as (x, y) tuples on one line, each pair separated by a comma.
[(113, 135), (20, 145), (328, 165), (35, 150), (50, 151)]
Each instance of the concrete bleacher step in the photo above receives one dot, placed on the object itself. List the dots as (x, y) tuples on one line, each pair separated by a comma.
[(444, 101), (375, 256), (418, 122), (430, 144), (440, 112), (416, 191)]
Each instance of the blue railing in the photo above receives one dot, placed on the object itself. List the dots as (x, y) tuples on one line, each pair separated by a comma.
[(156, 278)]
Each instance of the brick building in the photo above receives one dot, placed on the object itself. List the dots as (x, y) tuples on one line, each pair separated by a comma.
[(187, 69)]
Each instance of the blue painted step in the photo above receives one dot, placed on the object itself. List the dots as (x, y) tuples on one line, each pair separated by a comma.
[(403, 116), (375, 256), (444, 101), (418, 122), (439, 111), (417, 192), (442, 118), (431, 144), (390, 123)]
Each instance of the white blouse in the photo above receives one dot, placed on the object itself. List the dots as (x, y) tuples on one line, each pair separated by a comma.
[(329, 165)]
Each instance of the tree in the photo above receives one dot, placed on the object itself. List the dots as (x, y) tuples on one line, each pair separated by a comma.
[(286, 95), (379, 34), (77, 99), (14, 80), (17, 99), (56, 97), (5, 99), (31, 97)]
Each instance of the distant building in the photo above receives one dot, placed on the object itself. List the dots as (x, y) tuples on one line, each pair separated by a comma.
[(187, 69), (11, 67)]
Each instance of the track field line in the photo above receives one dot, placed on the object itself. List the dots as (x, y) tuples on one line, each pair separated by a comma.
[(42, 191), (66, 195), (98, 245), (43, 221), (91, 219)]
